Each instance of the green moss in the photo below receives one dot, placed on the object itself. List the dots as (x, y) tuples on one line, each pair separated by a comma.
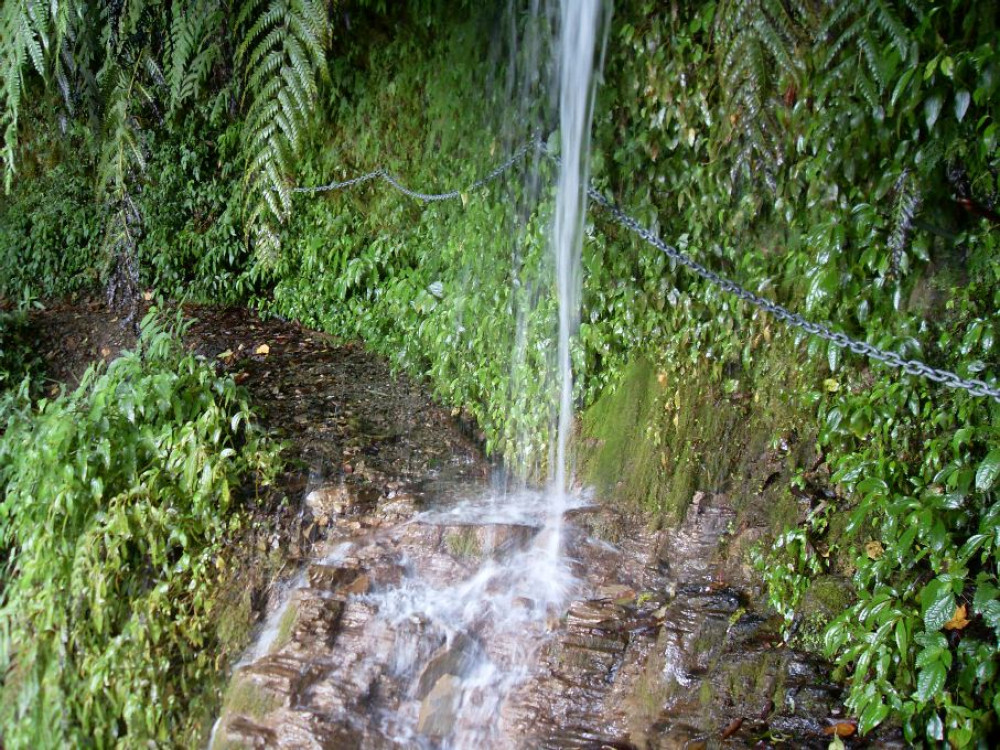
[(285, 626), (705, 694), (246, 698), (463, 544), (749, 678), (618, 457), (665, 431), (235, 618)]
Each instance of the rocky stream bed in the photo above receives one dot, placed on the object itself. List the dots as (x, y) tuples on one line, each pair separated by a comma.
[(407, 611)]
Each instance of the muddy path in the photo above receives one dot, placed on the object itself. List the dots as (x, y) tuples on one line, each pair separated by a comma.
[(407, 610)]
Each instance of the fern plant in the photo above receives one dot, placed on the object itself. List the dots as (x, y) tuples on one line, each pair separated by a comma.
[(757, 44), (134, 63), (282, 54), (32, 36), (194, 47)]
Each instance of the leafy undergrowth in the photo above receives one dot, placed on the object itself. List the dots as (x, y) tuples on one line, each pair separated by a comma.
[(117, 501), (18, 354)]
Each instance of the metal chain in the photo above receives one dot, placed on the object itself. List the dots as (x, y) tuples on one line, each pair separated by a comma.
[(394, 181), (841, 340), (909, 366), (340, 185)]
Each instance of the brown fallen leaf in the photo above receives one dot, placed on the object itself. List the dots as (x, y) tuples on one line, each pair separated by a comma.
[(263, 349), (958, 620), (841, 729), (733, 728), (874, 550)]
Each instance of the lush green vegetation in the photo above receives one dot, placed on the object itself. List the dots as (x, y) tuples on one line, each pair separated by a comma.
[(840, 158), (18, 357), (117, 501)]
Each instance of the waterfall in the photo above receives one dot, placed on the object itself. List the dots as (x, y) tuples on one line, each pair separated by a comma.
[(581, 52), (437, 653)]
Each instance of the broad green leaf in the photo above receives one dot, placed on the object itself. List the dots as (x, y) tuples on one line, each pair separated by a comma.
[(935, 728), (988, 471), (930, 681), (873, 715), (902, 638), (962, 99), (932, 109), (938, 603)]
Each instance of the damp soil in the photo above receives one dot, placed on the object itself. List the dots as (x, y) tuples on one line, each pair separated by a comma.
[(659, 645)]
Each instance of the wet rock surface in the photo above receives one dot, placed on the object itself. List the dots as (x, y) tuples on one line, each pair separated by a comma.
[(652, 649)]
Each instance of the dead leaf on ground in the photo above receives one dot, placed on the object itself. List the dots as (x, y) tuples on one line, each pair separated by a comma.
[(263, 349), (733, 728), (958, 620), (841, 729)]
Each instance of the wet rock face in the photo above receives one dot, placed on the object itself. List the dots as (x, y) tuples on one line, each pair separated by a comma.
[(422, 619), (686, 663), (654, 649)]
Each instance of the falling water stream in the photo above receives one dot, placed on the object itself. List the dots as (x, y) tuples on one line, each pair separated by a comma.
[(446, 645), (493, 620)]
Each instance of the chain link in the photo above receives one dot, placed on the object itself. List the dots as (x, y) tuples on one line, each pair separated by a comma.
[(394, 181), (909, 366), (786, 316)]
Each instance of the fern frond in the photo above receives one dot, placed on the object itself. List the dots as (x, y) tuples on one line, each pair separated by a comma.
[(282, 54), (867, 33), (758, 41), (887, 19), (908, 199), (31, 32), (193, 48)]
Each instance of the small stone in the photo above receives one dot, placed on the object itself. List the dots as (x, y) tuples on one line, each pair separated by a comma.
[(359, 585), (437, 712), (329, 500)]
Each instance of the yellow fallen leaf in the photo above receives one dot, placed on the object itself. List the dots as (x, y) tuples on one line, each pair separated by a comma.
[(263, 349), (874, 550), (840, 729), (958, 620)]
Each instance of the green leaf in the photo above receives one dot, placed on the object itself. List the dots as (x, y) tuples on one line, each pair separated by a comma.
[(962, 99), (935, 728), (938, 602), (930, 681), (902, 638), (873, 715), (988, 471), (932, 109)]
